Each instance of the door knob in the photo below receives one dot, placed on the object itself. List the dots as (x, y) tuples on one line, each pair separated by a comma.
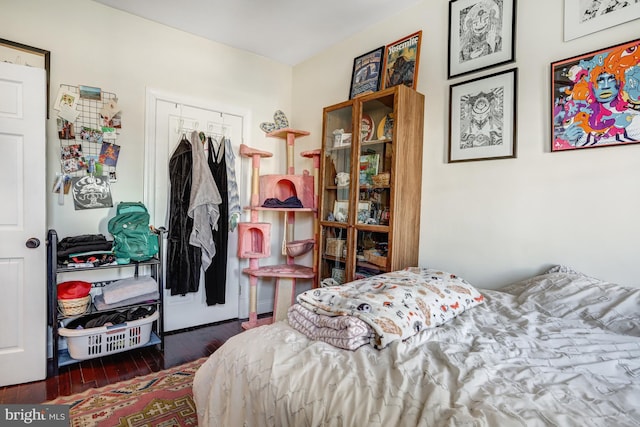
[(32, 243)]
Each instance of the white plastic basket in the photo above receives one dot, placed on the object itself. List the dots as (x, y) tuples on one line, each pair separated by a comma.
[(95, 342)]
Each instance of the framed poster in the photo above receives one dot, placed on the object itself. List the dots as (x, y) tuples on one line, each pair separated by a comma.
[(596, 98), (367, 73), (583, 17), (21, 54), (482, 118), (401, 61), (481, 35)]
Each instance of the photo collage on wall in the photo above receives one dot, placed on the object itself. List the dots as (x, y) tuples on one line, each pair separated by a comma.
[(89, 124)]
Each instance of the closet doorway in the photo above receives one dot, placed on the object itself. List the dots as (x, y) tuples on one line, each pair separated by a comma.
[(167, 118)]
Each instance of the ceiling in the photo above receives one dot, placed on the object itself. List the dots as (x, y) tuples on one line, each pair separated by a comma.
[(288, 31)]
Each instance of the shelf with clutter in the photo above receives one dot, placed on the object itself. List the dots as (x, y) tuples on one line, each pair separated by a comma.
[(291, 194)]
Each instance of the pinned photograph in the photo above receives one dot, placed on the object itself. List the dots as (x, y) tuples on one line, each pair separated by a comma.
[(109, 154), (90, 92), (91, 135), (109, 112), (65, 98), (72, 158), (65, 129)]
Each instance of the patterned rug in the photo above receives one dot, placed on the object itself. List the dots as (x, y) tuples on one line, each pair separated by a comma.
[(159, 399)]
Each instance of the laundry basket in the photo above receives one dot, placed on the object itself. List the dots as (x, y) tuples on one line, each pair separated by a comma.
[(95, 342)]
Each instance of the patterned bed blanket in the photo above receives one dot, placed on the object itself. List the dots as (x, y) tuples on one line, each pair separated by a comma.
[(560, 349), (396, 305)]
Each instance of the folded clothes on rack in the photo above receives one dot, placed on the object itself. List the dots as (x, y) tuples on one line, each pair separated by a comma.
[(98, 301), (80, 245), (128, 288)]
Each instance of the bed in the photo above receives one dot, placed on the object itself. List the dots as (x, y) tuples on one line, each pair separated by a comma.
[(558, 349)]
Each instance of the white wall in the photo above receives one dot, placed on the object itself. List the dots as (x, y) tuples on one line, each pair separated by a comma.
[(497, 221), (490, 221), (95, 45)]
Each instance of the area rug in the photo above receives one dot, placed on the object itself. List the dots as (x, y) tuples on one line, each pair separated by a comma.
[(162, 398)]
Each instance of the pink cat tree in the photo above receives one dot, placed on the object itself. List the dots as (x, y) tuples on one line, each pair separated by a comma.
[(255, 236)]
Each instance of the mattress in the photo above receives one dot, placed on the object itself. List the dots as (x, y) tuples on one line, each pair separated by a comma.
[(559, 349)]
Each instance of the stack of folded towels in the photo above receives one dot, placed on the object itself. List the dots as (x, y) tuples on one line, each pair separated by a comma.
[(133, 290)]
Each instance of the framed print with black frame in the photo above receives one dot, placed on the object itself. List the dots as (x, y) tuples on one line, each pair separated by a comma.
[(482, 117), (481, 35), (402, 60), (586, 17), (22, 54), (596, 98), (367, 73)]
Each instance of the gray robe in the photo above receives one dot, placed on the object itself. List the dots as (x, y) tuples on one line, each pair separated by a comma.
[(204, 203)]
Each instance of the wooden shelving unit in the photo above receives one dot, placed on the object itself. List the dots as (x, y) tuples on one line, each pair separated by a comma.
[(370, 225)]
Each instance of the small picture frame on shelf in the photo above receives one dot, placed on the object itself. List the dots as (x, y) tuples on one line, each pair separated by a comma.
[(341, 138), (337, 274), (364, 212), (341, 210), (368, 168)]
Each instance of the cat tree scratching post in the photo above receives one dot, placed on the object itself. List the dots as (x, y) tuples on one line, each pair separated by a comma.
[(254, 237)]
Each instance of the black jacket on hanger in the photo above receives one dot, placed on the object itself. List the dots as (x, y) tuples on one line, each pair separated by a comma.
[(183, 259)]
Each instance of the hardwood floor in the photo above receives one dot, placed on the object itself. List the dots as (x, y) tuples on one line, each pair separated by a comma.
[(179, 348)]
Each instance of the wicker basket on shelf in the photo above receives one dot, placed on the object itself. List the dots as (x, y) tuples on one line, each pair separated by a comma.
[(374, 257), (381, 179), (335, 246), (74, 306)]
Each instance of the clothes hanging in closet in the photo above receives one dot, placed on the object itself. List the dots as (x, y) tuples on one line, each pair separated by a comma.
[(183, 259), (233, 194), (204, 203), (216, 275)]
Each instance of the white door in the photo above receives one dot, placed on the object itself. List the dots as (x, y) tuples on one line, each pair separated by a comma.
[(166, 120), (23, 286)]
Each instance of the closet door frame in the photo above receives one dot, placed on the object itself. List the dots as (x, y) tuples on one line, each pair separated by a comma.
[(155, 158)]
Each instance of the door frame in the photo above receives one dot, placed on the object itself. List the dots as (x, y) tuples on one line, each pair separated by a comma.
[(153, 96)]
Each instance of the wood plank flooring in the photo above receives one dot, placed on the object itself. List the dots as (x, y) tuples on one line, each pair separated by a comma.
[(179, 348)]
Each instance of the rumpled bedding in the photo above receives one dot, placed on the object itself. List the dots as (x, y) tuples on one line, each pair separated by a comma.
[(560, 349), (347, 332), (396, 305)]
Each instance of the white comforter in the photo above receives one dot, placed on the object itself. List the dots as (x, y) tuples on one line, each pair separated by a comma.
[(559, 349)]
